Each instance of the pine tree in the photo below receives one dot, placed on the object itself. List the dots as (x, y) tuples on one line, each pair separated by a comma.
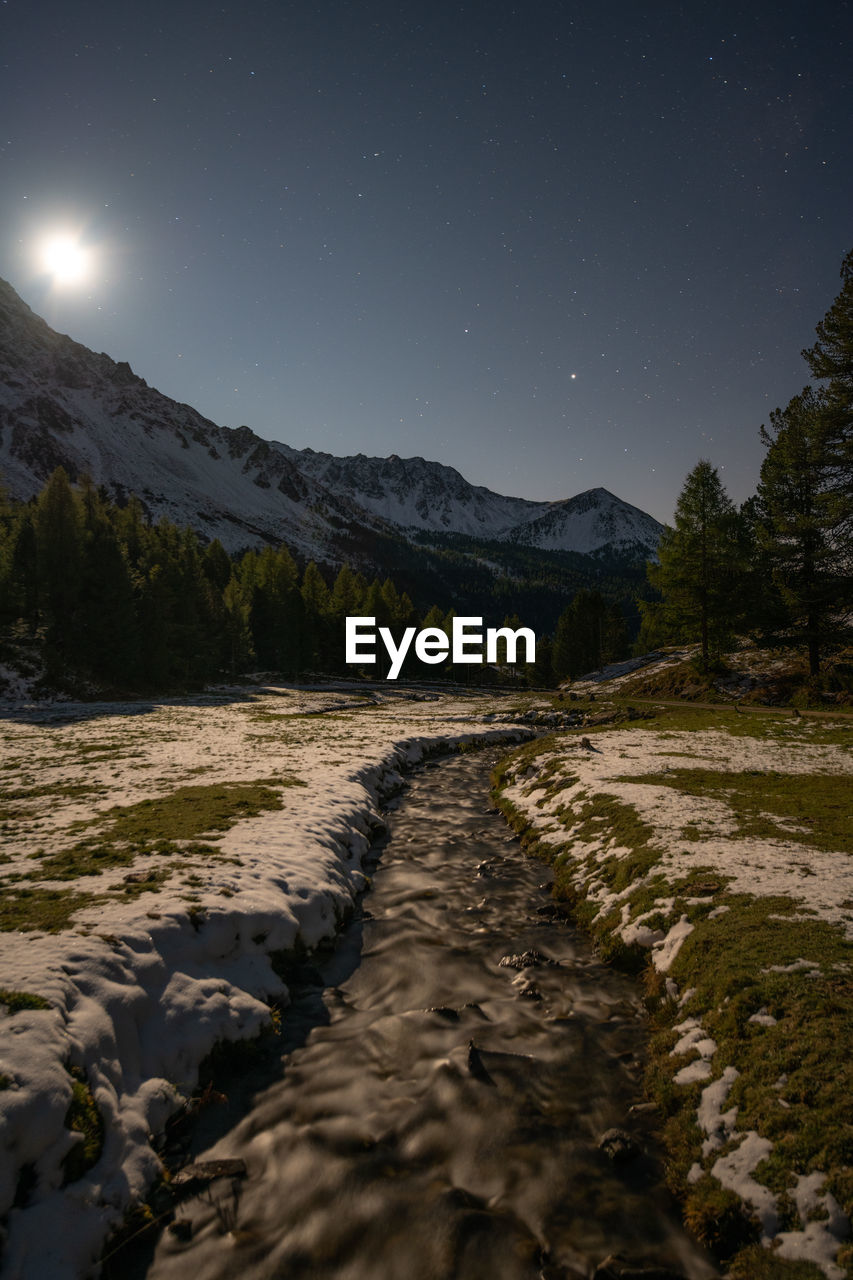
[(615, 644), (700, 565), (316, 601), (831, 359), (20, 586), (216, 565), (105, 639), (580, 636), (276, 612), (800, 520), (347, 595), (59, 554), (540, 674), (239, 652)]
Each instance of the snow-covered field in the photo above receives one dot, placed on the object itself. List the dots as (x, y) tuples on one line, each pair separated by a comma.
[(552, 791), (822, 881), (164, 953), (140, 982)]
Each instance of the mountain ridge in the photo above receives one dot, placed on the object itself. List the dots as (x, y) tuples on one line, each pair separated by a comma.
[(62, 404)]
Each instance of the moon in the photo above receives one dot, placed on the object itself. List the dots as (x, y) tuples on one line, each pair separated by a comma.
[(65, 259)]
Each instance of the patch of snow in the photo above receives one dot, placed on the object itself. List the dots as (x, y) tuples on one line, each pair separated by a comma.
[(693, 1039), (797, 966), (767, 866), (718, 1125), (763, 1019), (734, 1172), (819, 1240), (694, 1072), (665, 952)]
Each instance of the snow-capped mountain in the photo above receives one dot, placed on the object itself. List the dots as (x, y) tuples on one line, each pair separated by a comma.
[(415, 494), (63, 405), (589, 522)]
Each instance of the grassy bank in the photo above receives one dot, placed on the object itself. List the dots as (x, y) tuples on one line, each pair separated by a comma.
[(710, 853)]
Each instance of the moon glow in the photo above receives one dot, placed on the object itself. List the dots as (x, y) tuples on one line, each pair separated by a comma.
[(65, 259)]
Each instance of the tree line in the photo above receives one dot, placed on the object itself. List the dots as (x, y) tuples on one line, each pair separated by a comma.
[(781, 566), (104, 595)]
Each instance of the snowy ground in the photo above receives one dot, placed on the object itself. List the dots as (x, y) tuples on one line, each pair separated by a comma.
[(821, 881), (142, 982), (551, 793)]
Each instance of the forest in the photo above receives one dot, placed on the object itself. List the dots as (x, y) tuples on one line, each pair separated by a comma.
[(780, 568)]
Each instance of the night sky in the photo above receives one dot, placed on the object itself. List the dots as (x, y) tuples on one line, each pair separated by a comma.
[(553, 245)]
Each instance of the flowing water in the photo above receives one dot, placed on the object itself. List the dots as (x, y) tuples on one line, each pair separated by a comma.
[(440, 1115)]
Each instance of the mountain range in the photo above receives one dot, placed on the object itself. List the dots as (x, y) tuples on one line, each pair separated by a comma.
[(64, 405)]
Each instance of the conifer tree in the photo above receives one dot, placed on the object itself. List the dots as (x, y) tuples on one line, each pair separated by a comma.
[(58, 549), (831, 360), (239, 653), (540, 674), (580, 635), (20, 586), (105, 639), (316, 601), (800, 525), (216, 565), (614, 635), (700, 566), (347, 595), (275, 608)]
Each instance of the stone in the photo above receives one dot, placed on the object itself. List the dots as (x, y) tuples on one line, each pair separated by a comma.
[(207, 1170), (526, 960), (476, 1065), (618, 1146)]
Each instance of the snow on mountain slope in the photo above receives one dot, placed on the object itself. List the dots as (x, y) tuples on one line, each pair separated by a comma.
[(63, 405), (589, 522), (415, 494)]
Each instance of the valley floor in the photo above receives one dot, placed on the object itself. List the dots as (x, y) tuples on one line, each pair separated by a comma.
[(161, 862)]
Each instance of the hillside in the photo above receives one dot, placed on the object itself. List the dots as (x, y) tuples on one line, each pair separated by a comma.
[(63, 405)]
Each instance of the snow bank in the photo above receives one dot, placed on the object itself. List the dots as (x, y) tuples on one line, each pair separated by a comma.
[(630, 766), (139, 991)]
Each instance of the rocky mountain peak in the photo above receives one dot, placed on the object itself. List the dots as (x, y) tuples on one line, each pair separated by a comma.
[(63, 405)]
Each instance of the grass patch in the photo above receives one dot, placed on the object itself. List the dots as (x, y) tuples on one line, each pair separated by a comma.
[(795, 1077), (13, 800), (50, 910), (15, 1001), (758, 1263), (718, 1219), (815, 808), (165, 825), (82, 1117), (774, 724), (73, 790)]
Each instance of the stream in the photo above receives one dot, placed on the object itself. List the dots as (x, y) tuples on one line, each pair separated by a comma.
[(453, 1066)]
